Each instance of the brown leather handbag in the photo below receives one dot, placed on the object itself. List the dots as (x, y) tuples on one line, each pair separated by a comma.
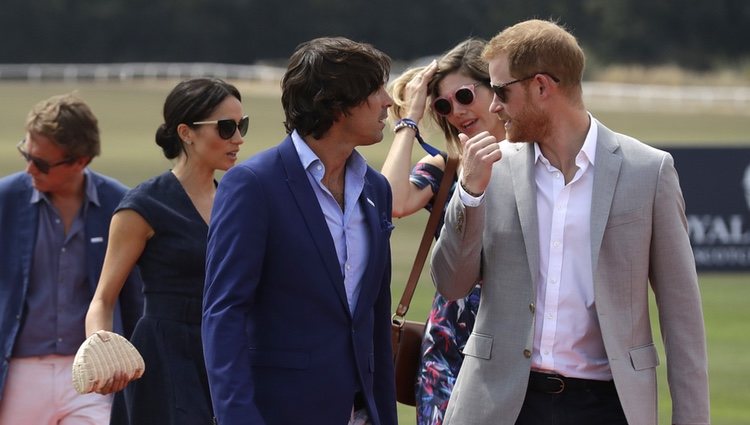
[(406, 335)]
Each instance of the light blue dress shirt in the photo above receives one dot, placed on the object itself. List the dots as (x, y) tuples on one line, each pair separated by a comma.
[(348, 227)]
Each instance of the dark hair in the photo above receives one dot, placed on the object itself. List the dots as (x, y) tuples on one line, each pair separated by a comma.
[(69, 122), (327, 77), (190, 101), (465, 58)]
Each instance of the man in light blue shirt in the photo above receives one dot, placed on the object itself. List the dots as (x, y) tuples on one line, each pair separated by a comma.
[(296, 316)]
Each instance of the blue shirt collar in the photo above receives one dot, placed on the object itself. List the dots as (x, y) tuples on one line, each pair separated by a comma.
[(356, 163), (91, 194)]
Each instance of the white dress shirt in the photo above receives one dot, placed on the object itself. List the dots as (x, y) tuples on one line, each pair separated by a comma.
[(567, 337)]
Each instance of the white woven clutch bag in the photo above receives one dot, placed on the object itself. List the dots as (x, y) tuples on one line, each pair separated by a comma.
[(102, 355)]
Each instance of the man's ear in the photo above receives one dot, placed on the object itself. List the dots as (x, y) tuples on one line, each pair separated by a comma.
[(545, 84), (82, 162)]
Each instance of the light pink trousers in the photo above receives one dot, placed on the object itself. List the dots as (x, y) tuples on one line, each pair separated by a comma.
[(359, 417), (39, 391)]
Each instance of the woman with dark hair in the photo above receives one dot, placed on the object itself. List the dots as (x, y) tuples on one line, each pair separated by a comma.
[(458, 88), (161, 225)]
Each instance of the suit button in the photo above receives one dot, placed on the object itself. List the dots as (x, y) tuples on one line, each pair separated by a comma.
[(532, 308), (527, 354)]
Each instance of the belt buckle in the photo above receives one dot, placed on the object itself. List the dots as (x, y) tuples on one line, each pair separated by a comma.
[(562, 384)]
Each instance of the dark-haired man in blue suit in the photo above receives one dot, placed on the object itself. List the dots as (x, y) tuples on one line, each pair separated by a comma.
[(296, 320)]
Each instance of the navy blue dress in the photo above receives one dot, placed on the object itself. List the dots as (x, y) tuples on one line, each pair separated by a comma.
[(174, 387)]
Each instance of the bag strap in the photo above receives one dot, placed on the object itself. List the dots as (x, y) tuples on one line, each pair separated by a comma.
[(429, 234)]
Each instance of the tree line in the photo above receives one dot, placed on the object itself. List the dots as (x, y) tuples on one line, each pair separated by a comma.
[(695, 34)]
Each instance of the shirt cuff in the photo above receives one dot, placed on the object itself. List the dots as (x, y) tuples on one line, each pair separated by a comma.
[(466, 199)]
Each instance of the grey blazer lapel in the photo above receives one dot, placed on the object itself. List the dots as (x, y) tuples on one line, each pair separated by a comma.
[(606, 171), (524, 187)]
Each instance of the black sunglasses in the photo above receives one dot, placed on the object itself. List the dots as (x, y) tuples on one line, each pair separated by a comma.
[(463, 95), (501, 91), (228, 127), (40, 164)]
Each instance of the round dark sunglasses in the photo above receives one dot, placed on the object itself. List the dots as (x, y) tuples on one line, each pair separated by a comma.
[(463, 95), (40, 164), (227, 127)]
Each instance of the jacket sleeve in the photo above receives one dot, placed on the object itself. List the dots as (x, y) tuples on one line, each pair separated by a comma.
[(456, 258), (675, 284)]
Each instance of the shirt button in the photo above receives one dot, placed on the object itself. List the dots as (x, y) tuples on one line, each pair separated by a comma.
[(553, 280), (63, 249), (555, 244), (527, 354)]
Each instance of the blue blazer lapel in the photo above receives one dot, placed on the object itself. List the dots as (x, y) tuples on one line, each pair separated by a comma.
[(28, 218), (311, 213), (379, 231)]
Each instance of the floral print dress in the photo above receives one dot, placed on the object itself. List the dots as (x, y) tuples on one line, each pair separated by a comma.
[(448, 328)]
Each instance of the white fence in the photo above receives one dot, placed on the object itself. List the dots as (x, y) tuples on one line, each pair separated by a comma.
[(130, 71), (736, 97), (612, 94)]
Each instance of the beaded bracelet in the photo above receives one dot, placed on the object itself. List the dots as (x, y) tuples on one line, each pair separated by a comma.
[(409, 123), (470, 193)]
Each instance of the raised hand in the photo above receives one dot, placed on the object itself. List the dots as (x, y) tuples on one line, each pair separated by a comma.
[(416, 91), (479, 154)]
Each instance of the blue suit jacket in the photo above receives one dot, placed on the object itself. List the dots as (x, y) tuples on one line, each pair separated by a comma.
[(18, 226), (280, 344)]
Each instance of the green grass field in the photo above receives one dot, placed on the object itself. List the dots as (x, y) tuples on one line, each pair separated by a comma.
[(129, 114)]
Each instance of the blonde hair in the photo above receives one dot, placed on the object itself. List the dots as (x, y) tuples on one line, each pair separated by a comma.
[(397, 90), (537, 46)]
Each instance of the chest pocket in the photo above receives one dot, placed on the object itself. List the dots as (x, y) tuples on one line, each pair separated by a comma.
[(624, 218)]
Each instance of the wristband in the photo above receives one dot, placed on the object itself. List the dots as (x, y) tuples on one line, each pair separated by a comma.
[(409, 123)]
